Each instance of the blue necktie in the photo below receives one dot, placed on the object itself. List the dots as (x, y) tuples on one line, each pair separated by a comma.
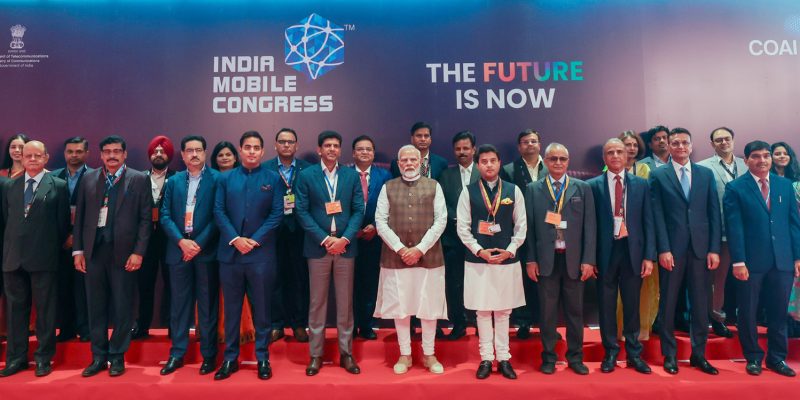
[(685, 182), (28, 194)]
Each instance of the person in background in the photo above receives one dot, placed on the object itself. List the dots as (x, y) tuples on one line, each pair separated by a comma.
[(659, 151), (432, 165), (12, 163), (784, 161)]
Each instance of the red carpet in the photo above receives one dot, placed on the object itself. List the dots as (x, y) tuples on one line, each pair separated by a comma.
[(460, 358)]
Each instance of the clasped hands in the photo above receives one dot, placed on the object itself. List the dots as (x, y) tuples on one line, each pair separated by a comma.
[(587, 271), (243, 244), (410, 256), (335, 246), (495, 255)]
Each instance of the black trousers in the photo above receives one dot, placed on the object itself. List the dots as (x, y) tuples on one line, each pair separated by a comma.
[(529, 313), (559, 288), (454, 283), (620, 277), (20, 288), (693, 270), (191, 283), (109, 287), (290, 294), (365, 282), (775, 286), (73, 316), (152, 263)]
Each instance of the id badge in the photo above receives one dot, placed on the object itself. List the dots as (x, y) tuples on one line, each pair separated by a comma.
[(155, 214), (333, 207), (188, 219), (72, 215), (494, 228), (552, 218), (288, 204), (101, 220), (485, 228), (620, 230)]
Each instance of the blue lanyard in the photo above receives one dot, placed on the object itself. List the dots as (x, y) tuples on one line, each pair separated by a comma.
[(331, 187), (557, 195), (287, 177)]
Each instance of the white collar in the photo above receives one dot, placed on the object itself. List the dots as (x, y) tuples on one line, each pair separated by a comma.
[(37, 178)]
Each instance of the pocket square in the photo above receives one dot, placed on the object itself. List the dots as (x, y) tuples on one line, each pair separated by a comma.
[(266, 188), (506, 201)]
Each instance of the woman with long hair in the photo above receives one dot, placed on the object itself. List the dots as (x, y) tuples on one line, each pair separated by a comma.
[(12, 163), (224, 157), (784, 161)]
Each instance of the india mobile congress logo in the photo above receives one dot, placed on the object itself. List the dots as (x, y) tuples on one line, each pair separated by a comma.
[(17, 32), (314, 46)]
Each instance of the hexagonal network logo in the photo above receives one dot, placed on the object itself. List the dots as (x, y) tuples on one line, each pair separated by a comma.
[(314, 46)]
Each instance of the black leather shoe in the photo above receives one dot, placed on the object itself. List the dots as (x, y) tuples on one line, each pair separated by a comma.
[(504, 368), (782, 369), (300, 335), (753, 368), (13, 368), (671, 365), (440, 333), (43, 369), (264, 370), (275, 335), (524, 331), (721, 330), (484, 369), (225, 371), (314, 366), (140, 334), (457, 332), (367, 333), (702, 364), (94, 368), (609, 363), (347, 362), (85, 339), (117, 368), (548, 368), (639, 365), (65, 337), (579, 368), (208, 366), (172, 365)]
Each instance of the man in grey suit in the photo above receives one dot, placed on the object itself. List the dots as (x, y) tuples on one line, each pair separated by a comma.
[(561, 256), (687, 220), (659, 153), (330, 208), (113, 222), (36, 210), (726, 167)]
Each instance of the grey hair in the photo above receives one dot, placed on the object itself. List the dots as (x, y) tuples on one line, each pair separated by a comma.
[(555, 146), (613, 141), (409, 147)]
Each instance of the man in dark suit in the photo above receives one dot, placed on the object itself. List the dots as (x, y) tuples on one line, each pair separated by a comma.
[(290, 296), (453, 180), (187, 217), (626, 251), (113, 222), (688, 233), (248, 210), (764, 235), (561, 253), (529, 167), (160, 151), (330, 208), (367, 268), (36, 210), (73, 315), (432, 164)]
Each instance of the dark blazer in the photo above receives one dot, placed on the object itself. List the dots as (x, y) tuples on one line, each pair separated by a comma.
[(758, 237), (33, 243), (681, 223), (517, 173), (450, 180), (377, 177), (251, 209), (173, 209), (312, 194), (638, 221), (61, 173), (289, 220), (438, 165), (581, 234), (133, 220), (170, 173)]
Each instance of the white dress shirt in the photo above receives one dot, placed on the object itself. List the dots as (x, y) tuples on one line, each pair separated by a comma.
[(428, 240), (37, 179), (466, 173), (612, 187), (464, 221), (678, 167), (533, 170)]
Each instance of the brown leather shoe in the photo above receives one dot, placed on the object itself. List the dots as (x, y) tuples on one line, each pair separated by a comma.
[(275, 335), (313, 366), (347, 362), (300, 335)]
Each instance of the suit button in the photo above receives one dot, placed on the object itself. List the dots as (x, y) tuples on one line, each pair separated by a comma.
[(409, 206), (410, 218)]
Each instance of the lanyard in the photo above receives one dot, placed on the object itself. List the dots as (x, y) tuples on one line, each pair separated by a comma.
[(288, 178), (331, 187), (197, 189), (558, 199), (733, 173), (494, 205), (624, 198)]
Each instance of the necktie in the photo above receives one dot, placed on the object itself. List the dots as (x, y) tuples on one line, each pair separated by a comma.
[(685, 182), (28, 194), (559, 232), (424, 168), (618, 196), (364, 184), (765, 191)]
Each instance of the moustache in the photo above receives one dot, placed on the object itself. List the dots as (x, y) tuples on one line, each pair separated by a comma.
[(112, 159)]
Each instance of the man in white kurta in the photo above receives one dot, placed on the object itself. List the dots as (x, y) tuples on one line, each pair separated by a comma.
[(492, 225), (410, 216)]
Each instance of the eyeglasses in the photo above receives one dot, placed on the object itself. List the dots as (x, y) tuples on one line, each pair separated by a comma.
[(555, 159), (363, 149), (680, 143), (286, 142), (193, 151), (108, 152), (723, 139), (33, 156), (532, 141)]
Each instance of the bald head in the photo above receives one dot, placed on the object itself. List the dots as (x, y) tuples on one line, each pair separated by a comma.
[(34, 157)]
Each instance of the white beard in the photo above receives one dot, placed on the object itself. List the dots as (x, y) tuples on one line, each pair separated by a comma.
[(411, 175)]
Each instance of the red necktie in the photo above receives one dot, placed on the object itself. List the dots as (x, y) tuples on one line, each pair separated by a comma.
[(364, 185), (618, 196), (765, 191)]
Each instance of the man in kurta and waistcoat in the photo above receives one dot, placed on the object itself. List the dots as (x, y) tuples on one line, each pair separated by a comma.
[(410, 216), (492, 224)]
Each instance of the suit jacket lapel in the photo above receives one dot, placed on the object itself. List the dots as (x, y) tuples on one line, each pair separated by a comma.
[(673, 177), (523, 170), (42, 190), (606, 196), (473, 176), (756, 191), (568, 192), (124, 182)]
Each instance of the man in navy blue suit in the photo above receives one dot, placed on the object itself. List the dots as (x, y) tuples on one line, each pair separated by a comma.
[(432, 165), (248, 210), (688, 233), (330, 207), (187, 218), (367, 270), (290, 296), (764, 237), (626, 251)]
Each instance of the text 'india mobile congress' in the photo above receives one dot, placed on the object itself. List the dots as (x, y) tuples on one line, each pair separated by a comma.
[(514, 84)]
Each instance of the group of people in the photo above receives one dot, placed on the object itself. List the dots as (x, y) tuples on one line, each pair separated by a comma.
[(417, 244)]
